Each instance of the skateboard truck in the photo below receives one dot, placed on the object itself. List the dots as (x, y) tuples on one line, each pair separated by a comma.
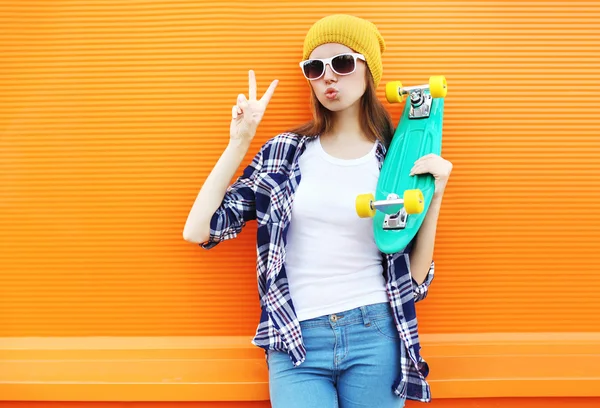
[(420, 102), (395, 208), (397, 220)]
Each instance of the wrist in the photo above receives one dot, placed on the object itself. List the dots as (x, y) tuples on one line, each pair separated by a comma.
[(436, 202), (439, 192), (238, 146)]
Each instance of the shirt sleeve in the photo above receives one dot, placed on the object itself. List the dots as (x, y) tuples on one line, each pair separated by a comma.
[(420, 291), (238, 206)]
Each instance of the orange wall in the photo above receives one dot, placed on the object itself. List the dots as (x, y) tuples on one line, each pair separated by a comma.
[(113, 113)]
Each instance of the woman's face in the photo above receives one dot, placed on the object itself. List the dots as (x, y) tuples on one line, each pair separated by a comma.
[(338, 92)]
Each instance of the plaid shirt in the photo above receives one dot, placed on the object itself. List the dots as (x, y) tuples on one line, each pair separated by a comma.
[(264, 192)]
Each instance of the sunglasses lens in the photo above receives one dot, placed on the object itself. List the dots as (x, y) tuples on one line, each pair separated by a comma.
[(343, 64), (313, 69)]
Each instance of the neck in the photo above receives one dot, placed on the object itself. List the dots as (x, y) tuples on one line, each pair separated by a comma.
[(346, 125)]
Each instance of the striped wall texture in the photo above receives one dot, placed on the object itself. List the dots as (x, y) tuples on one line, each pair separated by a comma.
[(112, 113)]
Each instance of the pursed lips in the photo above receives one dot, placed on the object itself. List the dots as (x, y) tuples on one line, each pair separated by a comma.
[(331, 92)]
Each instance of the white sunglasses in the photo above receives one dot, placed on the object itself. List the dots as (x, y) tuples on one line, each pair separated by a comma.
[(341, 64)]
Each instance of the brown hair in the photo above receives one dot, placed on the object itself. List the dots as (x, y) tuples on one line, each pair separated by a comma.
[(375, 120)]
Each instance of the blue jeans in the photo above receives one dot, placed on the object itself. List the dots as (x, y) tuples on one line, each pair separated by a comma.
[(352, 360)]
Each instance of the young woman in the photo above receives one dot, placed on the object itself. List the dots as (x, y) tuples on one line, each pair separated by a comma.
[(338, 321)]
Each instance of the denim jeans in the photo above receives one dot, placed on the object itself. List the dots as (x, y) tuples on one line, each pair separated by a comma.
[(352, 360)]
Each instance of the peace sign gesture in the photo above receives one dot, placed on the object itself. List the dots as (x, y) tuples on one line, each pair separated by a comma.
[(248, 113)]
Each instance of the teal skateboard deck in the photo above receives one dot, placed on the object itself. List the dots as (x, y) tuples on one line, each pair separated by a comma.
[(401, 201)]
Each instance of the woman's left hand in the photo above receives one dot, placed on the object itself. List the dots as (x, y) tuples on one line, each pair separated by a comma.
[(437, 166)]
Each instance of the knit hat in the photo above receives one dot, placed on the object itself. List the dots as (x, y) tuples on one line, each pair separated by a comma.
[(354, 32)]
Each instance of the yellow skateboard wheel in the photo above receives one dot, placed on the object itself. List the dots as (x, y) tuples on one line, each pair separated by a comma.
[(414, 202), (363, 205), (392, 92), (438, 88)]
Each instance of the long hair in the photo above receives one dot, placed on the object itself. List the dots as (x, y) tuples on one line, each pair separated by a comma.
[(374, 119)]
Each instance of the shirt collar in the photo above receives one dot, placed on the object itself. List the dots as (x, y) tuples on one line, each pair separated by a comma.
[(380, 150)]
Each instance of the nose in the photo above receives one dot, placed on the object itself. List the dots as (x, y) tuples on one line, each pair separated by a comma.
[(329, 74)]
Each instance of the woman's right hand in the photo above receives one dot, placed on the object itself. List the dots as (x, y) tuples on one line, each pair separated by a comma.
[(247, 113)]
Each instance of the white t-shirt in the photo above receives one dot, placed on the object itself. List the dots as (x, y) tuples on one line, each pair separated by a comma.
[(332, 261)]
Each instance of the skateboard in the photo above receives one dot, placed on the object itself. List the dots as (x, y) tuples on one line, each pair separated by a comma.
[(397, 219)]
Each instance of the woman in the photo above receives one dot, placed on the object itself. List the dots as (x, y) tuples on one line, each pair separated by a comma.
[(338, 320)]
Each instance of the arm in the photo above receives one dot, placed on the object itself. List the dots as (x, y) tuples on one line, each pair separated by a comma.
[(219, 211), (422, 253), (420, 257), (198, 225)]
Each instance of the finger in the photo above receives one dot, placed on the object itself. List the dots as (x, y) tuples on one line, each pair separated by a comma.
[(242, 102), (234, 111), (252, 85), (418, 169), (423, 159), (269, 93)]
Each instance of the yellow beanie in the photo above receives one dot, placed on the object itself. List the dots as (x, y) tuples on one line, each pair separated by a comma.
[(354, 32)]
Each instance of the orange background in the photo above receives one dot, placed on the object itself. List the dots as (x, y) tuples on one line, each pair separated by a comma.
[(112, 113)]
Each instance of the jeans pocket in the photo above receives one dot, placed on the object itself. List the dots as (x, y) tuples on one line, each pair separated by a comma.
[(386, 327)]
